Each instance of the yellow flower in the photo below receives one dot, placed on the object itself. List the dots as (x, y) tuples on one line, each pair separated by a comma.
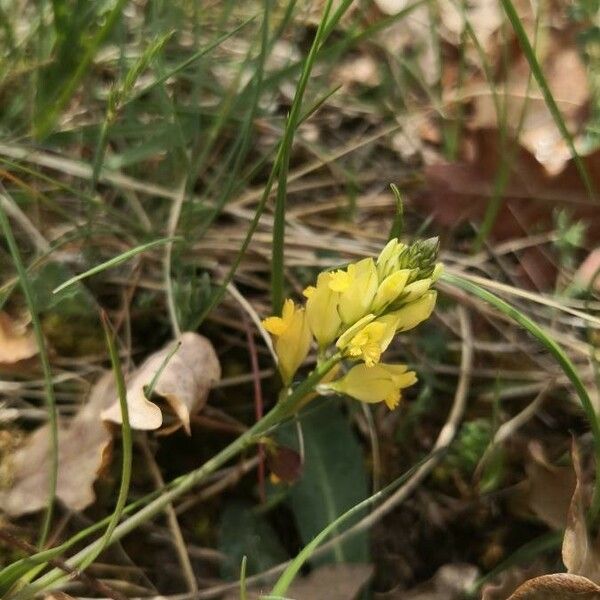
[(292, 338), (415, 312), (357, 287), (322, 310), (368, 338), (380, 383), (416, 289), (387, 261), (389, 289)]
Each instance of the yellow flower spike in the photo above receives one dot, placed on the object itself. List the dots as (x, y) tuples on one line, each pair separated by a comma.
[(368, 341), (389, 289), (292, 338), (380, 383), (413, 313), (387, 261), (322, 310), (357, 287)]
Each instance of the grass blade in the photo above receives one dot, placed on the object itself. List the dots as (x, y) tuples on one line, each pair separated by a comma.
[(47, 371), (534, 65), (113, 262), (557, 352)]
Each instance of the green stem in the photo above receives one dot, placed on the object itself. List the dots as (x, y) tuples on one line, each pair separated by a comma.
[(46, 369), (283, 409)]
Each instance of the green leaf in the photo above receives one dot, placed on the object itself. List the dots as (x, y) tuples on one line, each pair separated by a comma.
[(333, 480), (245, 532)]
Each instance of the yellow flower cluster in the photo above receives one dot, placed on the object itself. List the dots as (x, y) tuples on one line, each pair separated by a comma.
[(358, 310)]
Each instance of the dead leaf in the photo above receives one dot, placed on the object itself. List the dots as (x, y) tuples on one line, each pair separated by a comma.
[(16, 342), (559, 586), (550, 488), (329, 582), (284, 463), (589, 269), (509, 581), (450, 582), (82, 450), (184, 382), (567, 78), (580, 554)]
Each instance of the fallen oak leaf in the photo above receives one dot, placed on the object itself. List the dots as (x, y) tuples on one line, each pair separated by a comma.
[(83, 447), (182, 375), (558, 586), (16, 342)]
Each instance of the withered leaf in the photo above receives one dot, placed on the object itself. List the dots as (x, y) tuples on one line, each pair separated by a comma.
[(185, 380), (329, 582), (550, 488), (558, 586), (16, 342), (580, 554), (82, 449)]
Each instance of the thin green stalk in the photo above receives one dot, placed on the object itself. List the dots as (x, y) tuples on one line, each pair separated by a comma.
[(113, 262), (559, 354), (534, 65), (127, 445), (288, 576), (282, 410), (278, 245), (47, 371)]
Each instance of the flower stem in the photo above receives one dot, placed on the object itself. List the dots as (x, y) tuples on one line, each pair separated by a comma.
[(286, 406)]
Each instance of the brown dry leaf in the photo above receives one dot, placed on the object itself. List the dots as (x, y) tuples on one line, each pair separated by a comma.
[(82, 452), (559, 586), (450, 582), (329, 582), (580, 554), (184, 382), (567, 78), (58, 596), (589, 269), (550, 488), (509, 581), (16, 342)]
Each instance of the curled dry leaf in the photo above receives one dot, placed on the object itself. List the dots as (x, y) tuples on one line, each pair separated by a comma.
[(580, 554), (185, 380), (82, 452), (558, 586), (16, 342)]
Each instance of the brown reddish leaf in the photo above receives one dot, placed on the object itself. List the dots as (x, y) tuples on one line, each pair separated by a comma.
[(550, 488), (285, 463), (83, 447), (460, 191), (329, 582), (16, 342), (580, 554), (567, 78), (559, 586), (184, 382)]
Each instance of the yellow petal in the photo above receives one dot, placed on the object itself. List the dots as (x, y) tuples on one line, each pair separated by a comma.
[(274, 325)]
